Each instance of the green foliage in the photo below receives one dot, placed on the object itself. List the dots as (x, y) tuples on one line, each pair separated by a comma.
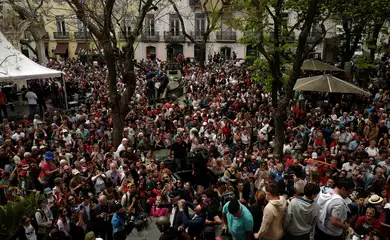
[(364, 63), (261, 72), (11, 213)]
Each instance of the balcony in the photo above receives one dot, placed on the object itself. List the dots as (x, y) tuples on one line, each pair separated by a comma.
[(195, 3), (82, 35), (150, 37), (226, 36), (61, 35), (174, 36), (197, 35)]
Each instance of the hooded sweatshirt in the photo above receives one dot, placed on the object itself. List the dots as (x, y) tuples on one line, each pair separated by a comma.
[(272, 224), (301, 216), (331, 204)]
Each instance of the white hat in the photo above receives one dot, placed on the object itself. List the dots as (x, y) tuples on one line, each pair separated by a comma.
[(314, 155), (65, 130), (125, 139), (375, 199), (63, 161), (75, 172), (204, 123), (34, 147), (27, 154)]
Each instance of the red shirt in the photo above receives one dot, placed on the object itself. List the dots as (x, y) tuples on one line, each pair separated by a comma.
[(363, 220)]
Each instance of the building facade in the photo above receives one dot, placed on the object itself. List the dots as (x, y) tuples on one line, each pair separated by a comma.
[(163, 36)]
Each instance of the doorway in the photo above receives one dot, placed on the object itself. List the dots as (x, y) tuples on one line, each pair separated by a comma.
[(151, 53), (173, 50), (226, 52)]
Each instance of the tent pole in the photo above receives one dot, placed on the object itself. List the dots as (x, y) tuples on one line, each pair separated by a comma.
[(66, 95)]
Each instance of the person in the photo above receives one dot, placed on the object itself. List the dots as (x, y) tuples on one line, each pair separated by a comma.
[(63, 222), (301, 215), (104, 212), (179, 152), (118, 223), (164, 226), (3, 102), (237, 220), (32, 102), (25, 231), (272, 223), (333, 211), (44, 219), (194, 225), (368, 223), (213, 221), (47, 169)]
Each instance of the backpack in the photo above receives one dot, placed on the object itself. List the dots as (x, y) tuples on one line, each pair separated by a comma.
[(34, 222)]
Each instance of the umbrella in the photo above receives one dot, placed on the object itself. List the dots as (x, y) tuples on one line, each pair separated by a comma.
[(315, 65), (327, 83)]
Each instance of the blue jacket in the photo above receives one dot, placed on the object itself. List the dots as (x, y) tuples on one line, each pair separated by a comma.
[(117, 222), (195, 225)]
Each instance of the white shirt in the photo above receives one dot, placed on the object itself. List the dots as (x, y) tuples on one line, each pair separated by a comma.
[(172, 216), (17, 136), (347, 167), (30, 232), (31, 98)]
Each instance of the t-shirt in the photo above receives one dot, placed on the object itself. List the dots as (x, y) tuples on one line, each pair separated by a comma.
[(238, 226), (30, 233), (42, 176), (31, 98)]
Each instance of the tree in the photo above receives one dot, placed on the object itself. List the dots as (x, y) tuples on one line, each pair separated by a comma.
[(359, 18), (103, 18), (213, 10), (32, 13), (272, 41)]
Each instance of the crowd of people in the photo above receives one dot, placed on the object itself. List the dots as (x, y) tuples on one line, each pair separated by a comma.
[(220, 179)]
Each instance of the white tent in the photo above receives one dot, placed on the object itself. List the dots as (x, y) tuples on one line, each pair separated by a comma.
[(16, 67)]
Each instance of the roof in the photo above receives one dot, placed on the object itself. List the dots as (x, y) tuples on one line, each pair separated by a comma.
[(16, 66)]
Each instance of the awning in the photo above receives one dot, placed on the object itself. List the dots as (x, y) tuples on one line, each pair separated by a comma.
[(80, 46), (61, 48)]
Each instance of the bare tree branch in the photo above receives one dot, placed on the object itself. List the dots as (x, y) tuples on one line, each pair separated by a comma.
[(182, 22), (27, 44)]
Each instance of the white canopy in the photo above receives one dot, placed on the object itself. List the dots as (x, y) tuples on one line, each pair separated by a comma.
[(16, 66)]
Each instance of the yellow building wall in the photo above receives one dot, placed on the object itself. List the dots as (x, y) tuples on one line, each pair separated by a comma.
[(57, 9)]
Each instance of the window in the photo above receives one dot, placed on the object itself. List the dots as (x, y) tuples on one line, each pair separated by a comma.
[(60, 23), (200, 24), (149, 22), (174, 25), (224, 26)]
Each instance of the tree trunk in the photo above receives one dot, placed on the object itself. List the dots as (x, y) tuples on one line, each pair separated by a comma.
[(38, 32), (372, 43), (40, 50), (118, 117), (202, 57), (280, 118), (284, 101)]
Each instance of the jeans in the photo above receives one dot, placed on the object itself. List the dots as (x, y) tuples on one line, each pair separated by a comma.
[(3, 108), (32, 110)]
